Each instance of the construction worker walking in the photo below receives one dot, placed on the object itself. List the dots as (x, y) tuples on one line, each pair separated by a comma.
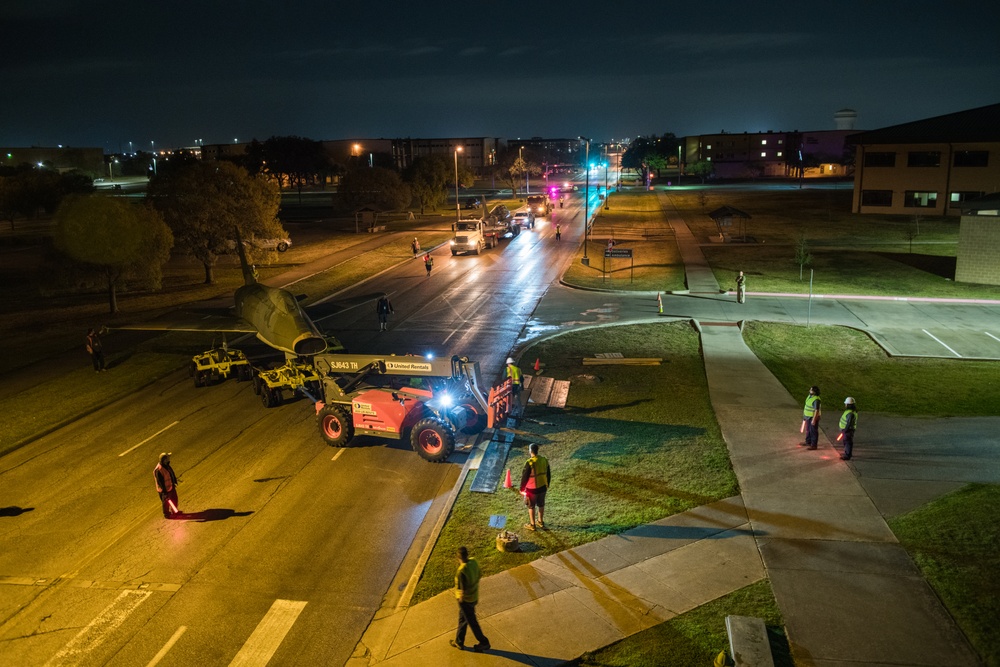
[(536, 475), (415, 246), (467, 593), (810, 417), (848, 424), (558, 232), (96, 350), (428, 263), (166, 486)]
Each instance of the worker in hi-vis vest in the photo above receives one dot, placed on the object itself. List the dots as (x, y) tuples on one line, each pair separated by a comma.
[(810, 415), (536, 476)]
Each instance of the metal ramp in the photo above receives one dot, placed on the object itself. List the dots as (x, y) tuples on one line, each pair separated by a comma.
[(491, 466)]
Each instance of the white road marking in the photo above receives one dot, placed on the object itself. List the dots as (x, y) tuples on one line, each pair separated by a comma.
[(149, 438), (992, 336), (260, 647), (166, 647), (337, 455), (98, 629), (942, 342)]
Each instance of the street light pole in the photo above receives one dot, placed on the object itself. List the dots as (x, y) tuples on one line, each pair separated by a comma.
[(607, 193), (586, 201), (458, 210)]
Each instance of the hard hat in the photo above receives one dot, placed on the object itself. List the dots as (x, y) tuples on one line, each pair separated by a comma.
[(164, 455), (848, 401), (510, 360)]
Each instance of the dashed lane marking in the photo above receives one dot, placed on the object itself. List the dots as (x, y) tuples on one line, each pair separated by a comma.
[(95, 632), (337, 455), (992, 336), (943, 344), (148, 439), (166, 647), (260, 647)]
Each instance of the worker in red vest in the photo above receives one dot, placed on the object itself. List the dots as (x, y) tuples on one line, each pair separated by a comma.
[(166, 486)]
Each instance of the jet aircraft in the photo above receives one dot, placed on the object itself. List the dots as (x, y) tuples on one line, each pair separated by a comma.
[(272, 314)]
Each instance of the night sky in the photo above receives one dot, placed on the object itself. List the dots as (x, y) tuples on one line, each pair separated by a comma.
[(93, 73)]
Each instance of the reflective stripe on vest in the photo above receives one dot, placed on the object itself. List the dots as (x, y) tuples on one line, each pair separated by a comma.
[(539, 472), (810, 409), (844, 417)]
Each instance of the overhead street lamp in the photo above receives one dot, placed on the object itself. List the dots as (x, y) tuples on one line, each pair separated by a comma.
[(458, 209), (586, 202)]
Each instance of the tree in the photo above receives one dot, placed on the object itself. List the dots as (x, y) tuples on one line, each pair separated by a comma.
[(123, 243), (204, 202), (296, 161), (428, 178), (802, 255), (377, 187), (700, 168)]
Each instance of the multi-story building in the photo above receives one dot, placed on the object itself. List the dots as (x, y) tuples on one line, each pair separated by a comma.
[(928, 166), (771, 154)]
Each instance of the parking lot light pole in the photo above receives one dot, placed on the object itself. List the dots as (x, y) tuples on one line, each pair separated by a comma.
[(586, 201), (458, 208)]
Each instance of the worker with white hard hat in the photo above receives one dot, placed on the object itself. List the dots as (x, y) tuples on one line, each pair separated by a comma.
[(848, 424)]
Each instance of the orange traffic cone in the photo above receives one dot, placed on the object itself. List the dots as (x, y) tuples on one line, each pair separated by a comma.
[(507, 484), (538, 365)]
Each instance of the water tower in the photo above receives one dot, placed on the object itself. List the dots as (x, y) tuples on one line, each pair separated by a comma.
[(845, 119)]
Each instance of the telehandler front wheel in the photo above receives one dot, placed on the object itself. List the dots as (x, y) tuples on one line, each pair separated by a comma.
[(335, 426), (433, 440)]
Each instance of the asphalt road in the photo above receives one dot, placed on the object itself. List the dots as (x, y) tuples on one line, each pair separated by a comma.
[(289, 547)]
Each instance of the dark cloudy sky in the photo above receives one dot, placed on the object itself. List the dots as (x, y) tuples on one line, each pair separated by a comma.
[(103, 73)]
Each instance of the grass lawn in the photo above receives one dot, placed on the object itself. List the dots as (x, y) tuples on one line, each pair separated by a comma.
[(635, 220), (696, 637), (625, 451), (851, 253), (955, 541), (846, 362)]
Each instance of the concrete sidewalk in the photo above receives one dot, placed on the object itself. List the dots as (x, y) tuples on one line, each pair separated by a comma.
[(603, 591)]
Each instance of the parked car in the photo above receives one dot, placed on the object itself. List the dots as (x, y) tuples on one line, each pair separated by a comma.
[(280, 244)]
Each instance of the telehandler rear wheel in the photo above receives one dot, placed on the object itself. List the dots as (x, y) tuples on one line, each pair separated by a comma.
[(432, 440)]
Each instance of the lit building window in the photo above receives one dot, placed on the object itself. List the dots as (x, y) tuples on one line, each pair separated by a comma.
[(779, 153), (710, 147), (763, 142), (763, 153), (709, 158)]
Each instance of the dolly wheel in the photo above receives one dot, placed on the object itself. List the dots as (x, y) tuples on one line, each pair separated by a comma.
[(335, 426), (432, 440)]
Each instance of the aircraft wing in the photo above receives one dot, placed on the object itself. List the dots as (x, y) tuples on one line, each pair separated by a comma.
[(191, 321)]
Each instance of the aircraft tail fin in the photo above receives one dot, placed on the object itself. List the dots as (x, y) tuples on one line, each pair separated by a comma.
[(249, 272)]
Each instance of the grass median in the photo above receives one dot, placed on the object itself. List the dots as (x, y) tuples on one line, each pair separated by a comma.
[(636, 221), (846, 362), (634, 444)]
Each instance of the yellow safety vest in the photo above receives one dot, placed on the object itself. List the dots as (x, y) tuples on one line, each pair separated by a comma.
[(514, 373), (844, 417), (539, 476), (810, 409)]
